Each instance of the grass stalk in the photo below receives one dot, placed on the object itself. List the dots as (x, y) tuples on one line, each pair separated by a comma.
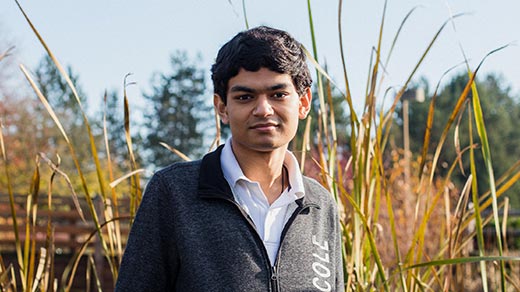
[(371, 184), (476, 207), (18, 244), (136, 194), (115, 236), (481, 130), (71, 147)]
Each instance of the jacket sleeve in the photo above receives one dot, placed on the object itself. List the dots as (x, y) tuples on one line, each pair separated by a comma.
[(149, 260)]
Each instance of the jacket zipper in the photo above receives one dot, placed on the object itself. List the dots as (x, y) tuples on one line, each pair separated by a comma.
[(274, 279), (273, 270)]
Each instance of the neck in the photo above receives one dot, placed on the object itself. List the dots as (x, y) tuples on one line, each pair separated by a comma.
[(266, 168)]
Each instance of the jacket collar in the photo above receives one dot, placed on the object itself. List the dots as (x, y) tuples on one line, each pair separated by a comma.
[(213, 185)]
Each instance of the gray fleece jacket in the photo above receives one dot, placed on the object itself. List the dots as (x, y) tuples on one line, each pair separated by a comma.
[(190, 235)]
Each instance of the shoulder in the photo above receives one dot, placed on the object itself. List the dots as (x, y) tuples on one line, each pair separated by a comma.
[(317, 193), (178, 168), (185, 172), (314, 188)]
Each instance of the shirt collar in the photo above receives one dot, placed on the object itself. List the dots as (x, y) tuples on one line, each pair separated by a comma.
[(233, 173)]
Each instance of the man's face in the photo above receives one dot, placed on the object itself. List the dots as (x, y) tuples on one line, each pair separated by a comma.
[(262, 110)]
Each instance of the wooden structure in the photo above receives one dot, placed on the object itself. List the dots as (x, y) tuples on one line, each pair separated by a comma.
[(70, 234)]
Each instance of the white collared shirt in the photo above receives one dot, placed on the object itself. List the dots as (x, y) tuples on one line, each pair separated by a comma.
[(269, 220)]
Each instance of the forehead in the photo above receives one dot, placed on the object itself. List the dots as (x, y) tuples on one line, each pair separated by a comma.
[(262, 79)]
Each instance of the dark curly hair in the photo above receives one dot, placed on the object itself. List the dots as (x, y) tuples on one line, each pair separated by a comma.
[(260, 47)]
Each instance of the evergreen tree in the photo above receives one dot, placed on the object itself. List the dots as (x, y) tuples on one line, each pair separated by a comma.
[(178, 112)]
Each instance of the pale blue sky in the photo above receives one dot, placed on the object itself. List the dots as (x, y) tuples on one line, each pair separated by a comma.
[(104, 40)]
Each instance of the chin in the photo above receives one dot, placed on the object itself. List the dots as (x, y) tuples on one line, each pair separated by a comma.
[(267, 147)]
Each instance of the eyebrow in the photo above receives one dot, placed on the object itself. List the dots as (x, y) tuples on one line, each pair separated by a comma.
[(241, 88)]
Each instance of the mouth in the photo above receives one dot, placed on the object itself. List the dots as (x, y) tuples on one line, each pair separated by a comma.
[(269, 126)]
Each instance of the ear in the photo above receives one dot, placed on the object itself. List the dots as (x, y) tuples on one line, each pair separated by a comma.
[(221, 108), (305, 103)]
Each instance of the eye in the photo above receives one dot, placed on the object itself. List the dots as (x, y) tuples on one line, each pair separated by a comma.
[(243, 97), (280, 95)]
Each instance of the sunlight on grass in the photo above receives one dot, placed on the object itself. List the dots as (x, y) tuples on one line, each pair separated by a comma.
[(405, 227)]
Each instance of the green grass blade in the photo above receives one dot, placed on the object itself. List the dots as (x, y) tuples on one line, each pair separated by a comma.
[(18, 244), (348, 97), (481, 130), (429, 122), (476, 207), (394, 42), (305, 142), (397, 34), (245, 14), (421, 59), (311, 26), (395, 242), (449, 123), (486, 201), (479, 120), (95, 273), (321, 93), (507, 184), (370, 98)]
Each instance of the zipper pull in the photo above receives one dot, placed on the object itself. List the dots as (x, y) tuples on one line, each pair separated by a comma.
[(274, 279), (274, 275)]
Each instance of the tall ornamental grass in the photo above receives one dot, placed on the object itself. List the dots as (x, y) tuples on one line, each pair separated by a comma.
[(440, 224), (404, 227)]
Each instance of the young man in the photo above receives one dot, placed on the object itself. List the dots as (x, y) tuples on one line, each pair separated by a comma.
[(243, 218)]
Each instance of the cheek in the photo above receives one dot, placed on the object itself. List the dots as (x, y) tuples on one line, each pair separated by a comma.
[(235, 118), (293, 121), (295, 114)]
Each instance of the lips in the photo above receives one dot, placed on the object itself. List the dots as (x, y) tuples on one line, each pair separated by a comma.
[(264, 126)]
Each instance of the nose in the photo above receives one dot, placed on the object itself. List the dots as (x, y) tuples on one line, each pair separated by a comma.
[(263, 107)]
